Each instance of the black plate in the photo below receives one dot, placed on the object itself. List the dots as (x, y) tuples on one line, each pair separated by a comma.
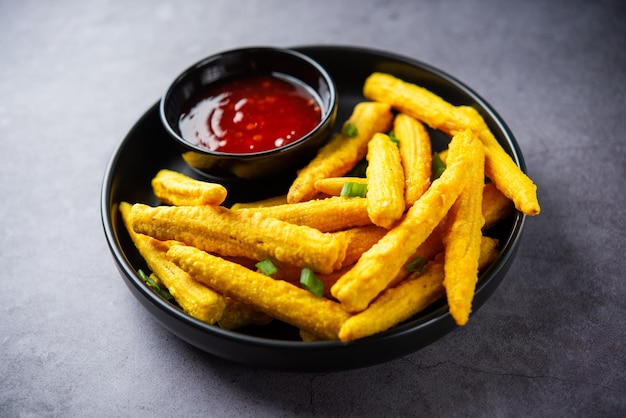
[(147, 149)]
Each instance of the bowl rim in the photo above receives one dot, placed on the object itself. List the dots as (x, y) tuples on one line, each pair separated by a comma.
[(327, 111), (509, 246)]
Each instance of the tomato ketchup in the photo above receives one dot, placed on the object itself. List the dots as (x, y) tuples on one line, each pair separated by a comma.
[(250, 114)]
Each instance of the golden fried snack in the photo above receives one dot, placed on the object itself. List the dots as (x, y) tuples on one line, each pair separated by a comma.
[(493, 210), (385, 182), (502, 170), (418, 102), (360, 239), (431, 109), (496, 206), (462, 242), (175, 188), (193, 297), (397, 304), (429, 249), (270, 201), (415, 154), (378, 266), (276, 298), (241, 233), (326, 215), (343, 151), (332, 186), (196, 299)]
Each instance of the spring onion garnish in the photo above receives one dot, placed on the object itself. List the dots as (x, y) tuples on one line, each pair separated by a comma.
[(394, 138), (266, 267), (350, 129), (154, 286), (438, 166), (351, 189), (309, 281), (416, 265)]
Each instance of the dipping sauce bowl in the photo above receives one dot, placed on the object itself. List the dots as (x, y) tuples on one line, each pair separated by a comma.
[(250, 113)]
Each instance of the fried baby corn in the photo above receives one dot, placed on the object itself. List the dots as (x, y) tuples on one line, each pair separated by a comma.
[(175, 188), (397, 304), (276, 298), (241, 233), (326, 215), (418, 102), (431, 109), (343, 151), (385, 182), (378, 266), (462, 242), (415, 154), (196, 299), (502, 170)]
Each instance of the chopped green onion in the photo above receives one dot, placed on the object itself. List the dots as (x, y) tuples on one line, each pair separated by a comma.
[(266, 267), (154, 286), (309, 280), (394, 138), (438, 166), (416, 265), (351, 189), (350, 129)]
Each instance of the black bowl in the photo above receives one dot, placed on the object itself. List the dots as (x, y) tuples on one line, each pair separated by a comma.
[(147, 149), (240, 63)]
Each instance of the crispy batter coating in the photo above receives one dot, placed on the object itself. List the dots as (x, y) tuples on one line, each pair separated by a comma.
[(462, 242), (342, 152), (418, 102), (415, 154), (241, 233), (397, 304), (381, 263), (175, 188), (195, 298), (276, 298), (385, 182), (433, 110), (502, 170), (326, 215)]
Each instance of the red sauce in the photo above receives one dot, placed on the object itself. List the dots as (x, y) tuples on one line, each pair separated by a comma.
[(250, 114)]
